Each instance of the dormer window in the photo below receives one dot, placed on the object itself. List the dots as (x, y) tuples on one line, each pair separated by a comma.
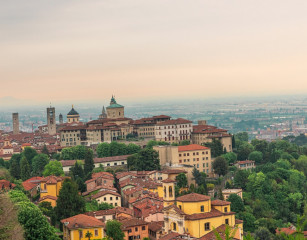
[(225, 209)]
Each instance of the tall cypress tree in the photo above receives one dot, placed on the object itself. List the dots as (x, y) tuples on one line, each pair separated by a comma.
[(15, 168), (69, 202), (88, 162), (25, 171)]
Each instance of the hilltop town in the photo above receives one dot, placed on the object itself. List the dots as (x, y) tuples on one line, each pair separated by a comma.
[(151, 178)]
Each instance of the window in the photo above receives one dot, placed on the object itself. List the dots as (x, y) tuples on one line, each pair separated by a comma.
[(174, 227), (104, 199), (202, 208), (115, 204), (96, 232), (143, 228), (207, 226), (225, 209), (136, 229), (129, 230), (116, 198), (111, 198), (227, 221), (80, 234), (179, 207)]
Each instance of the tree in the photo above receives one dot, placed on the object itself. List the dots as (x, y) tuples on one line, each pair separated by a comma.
[(133, 148), (256, 156), (45, 150), (181, 180), (248, 221), (53, 168), (38, 164), (103, 150), (220, 166), (216, 147), (242, 136), (25, 171), (241, 178), (88, 162), (69, 202), (262, 234), (227, 234), (237, 204), (88, 235), (231, 157), (114, 231), (244, 150), (301, 164), (29, 153), (147, 159), (14, 166), (77, 171)]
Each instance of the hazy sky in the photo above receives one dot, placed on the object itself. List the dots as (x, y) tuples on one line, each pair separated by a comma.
[(87, 50)]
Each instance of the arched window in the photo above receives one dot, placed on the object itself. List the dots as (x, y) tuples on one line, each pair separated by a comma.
[(202, 208), (170, 190), (165, 192)]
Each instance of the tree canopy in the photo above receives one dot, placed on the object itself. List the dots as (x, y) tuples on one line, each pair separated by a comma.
[(53, 168)]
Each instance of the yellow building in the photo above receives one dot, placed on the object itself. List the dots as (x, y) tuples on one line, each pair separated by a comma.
[(78, 226), (197, 215), (50, 189), (112, 198), (193, 155)]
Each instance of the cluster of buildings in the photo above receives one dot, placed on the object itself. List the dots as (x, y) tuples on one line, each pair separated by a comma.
[(144, 203)]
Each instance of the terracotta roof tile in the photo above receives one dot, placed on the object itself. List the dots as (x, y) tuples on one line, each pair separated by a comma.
[(82, 221), (211, 214), (218, 202), (191, 147), (193, 197)]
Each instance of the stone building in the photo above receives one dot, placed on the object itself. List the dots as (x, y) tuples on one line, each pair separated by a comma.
[(15, 123), (73, 116), (51, 123), (115, 110)]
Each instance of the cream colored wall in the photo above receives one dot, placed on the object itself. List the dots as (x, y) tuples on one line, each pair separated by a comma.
[(67, 135), (200, 159), (115, 113), (110, 199), (167, 154), (162, 132)]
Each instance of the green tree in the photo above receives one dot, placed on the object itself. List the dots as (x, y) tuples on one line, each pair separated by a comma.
[(53, 168), (15, 165), (262, 234), (133, 148), (248, 221), (231, 157), (114, 231), (301, 164), (38, 164), (181, 180), (29, 153), (103, 150), (227, 234), (241, 178), (77, 171), (216, 147), (45, 150), (220, 166), (242, 136), (147, 159), (244, 150), (25, 171), (237, 204), (69, 202), (88, 235), (256, 156), (88, 162)]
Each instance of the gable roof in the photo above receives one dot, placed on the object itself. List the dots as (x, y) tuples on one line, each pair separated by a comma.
[(193, 197), (82, 221)]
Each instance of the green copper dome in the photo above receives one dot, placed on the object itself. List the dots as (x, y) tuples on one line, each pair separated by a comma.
[(73, 112)]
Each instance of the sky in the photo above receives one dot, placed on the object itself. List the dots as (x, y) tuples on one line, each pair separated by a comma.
[(53, 51)]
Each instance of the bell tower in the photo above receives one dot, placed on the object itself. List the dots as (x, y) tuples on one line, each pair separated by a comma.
[(51, 121), (168, 192)]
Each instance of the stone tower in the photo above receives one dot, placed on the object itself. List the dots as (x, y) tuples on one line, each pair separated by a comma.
[(61, 118), (51, 120), (15, 123), (168, 192)]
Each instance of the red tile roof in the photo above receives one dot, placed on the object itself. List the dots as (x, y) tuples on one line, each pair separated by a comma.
[(168, 180), (211, 214), (245, 162), (52, 179), (82, 221), (221, 231), (174, 122), (102, 193), (31, 183), (111, 159), (218, 202), (6, 184), (191, 147), (132, 222), (193, 197)]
